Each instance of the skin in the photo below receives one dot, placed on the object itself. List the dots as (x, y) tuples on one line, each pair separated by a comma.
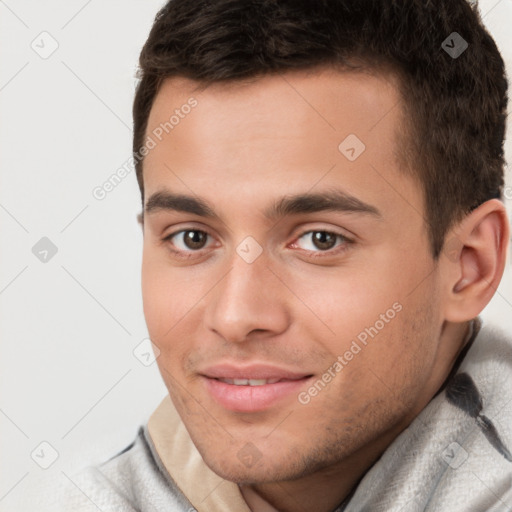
[(298, 306)]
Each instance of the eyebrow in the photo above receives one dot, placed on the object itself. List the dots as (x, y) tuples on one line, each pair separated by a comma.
[(178, 202), (331, 200)]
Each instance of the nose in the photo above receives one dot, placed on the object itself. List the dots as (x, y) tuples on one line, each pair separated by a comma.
[(249, 299)]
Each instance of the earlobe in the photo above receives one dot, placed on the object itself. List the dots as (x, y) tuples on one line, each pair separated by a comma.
[(476, 266)]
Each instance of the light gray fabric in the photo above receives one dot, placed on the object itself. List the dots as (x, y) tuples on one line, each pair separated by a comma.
[(133, 481), (422, 470), (443, 462)]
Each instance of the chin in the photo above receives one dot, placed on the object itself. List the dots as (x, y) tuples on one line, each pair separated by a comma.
[(246, 466)]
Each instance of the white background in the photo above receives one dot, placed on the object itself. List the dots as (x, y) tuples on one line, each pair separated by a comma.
[(68, 375)]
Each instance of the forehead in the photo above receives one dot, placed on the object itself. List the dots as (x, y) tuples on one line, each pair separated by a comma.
[(288, 131), (327, 99)]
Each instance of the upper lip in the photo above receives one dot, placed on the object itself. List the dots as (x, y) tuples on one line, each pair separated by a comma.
[(253, 371)]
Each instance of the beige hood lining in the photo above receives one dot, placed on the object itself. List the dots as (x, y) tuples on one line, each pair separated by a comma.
[(207, 491)]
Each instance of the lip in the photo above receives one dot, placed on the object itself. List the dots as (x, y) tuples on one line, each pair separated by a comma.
[(251, 398), (253, 371)]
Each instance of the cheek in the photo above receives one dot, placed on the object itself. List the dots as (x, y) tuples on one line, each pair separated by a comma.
[(164, 305), (164, 296), (347, 300), (172, 308), (155, 296), (371, 316), (399, 347)]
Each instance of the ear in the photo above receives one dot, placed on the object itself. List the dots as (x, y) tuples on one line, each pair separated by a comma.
[(474, 258), (140, 220)]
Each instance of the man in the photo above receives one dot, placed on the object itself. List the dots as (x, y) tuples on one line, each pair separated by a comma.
[(321, 187)]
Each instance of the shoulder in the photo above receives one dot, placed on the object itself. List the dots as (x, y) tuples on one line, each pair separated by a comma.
[(131, 481), (489, 362)]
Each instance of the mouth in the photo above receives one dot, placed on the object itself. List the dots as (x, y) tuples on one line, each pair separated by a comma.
[(253, 393), (253, 382)]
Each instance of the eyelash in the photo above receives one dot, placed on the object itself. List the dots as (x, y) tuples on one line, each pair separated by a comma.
[(336, 250)]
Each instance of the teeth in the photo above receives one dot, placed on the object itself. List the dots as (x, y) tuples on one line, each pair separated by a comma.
[(250, 382)]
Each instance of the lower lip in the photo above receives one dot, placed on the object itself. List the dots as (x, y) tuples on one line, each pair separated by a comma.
[(252, 398)]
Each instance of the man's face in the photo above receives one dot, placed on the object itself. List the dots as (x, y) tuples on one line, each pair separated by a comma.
[(341, 304)]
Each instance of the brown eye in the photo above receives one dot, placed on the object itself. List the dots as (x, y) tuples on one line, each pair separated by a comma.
[(195, 239), (324, 240), (188, 239), (320, 241)]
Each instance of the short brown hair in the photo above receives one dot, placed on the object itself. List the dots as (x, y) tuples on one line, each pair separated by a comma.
[(455, 103)]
